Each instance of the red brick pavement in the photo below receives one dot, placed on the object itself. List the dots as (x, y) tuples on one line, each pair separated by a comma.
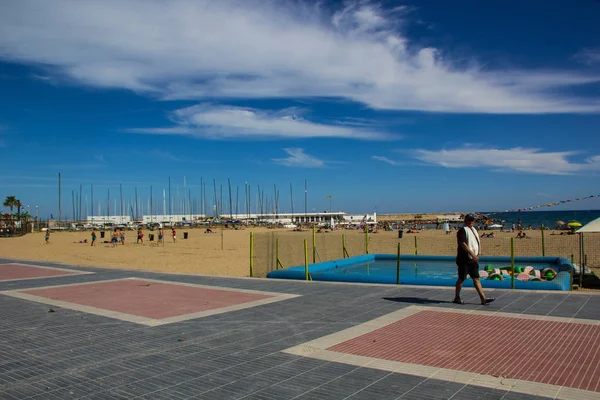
[(556, 353), (20, 271), (148, 299)]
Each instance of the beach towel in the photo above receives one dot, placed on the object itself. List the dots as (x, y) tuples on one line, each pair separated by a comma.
[(472, 240)]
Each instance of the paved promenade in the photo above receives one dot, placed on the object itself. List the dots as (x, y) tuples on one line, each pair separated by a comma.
[(71, 332)]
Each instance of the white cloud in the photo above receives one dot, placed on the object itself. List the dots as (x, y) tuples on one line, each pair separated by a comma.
[(589, 56), (194, 49), (385, 160), (219, 122), (532, 161), (298, 158)]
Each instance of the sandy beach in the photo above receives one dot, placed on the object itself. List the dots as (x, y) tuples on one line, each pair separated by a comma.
[(200, 254), (226, 252)]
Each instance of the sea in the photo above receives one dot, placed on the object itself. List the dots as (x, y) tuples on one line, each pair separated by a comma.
[(547, 218)]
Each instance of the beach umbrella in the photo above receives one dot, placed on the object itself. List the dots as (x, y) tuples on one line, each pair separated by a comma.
[(560, 223), (495, 226), (574, 224)]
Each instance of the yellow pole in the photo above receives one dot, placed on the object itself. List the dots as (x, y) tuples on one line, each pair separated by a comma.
[(416, 247), (512, 263), (251, 254), (366, 239), (277, 253), (305, 259), (314, 245), (572, 272), (398, 266), (543, 243)]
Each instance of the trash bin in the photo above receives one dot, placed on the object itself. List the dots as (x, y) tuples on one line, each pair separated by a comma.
[(185, 235), (400, 233), (102, 234), (151, 237)]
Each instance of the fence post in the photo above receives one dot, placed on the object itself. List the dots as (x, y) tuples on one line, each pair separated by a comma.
[(543, 243), (398, 266), (277, 259), (314, 245), (512, 263), (416, 247), (251, 254), (581, 260), (344, 250), (306, 260), (366, 238)]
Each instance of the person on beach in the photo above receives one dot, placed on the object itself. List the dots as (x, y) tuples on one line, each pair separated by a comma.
[(115, 238), (446, 228), (140, 236), (94, 237), (174, 233), (467, 259), (47, 237), (161, 236), (122, 236)]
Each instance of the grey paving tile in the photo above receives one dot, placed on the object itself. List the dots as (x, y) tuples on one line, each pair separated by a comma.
[(73, 354), (478, 392)]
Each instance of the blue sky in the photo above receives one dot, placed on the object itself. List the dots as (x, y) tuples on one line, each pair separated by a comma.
[(414, 106)]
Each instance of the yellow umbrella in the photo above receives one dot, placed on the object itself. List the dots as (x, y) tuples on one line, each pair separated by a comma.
[(574, 224)]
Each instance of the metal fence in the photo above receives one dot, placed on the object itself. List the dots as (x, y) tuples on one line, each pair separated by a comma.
[(11, 226), (281, 249)]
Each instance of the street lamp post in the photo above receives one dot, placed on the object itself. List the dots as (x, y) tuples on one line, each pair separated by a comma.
[(36, 219)]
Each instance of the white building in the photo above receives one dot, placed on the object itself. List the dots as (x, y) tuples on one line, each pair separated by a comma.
[(322, 218), (113, 219), (369, 219), (319, 218), (146, 219)]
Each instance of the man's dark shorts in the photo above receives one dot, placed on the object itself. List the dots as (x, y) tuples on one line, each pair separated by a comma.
[(467, 267)]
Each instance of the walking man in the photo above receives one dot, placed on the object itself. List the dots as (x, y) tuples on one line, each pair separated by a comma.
[(467, 259)]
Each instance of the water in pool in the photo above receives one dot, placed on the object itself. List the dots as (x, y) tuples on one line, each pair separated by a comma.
[(538, 273), (409, 268)]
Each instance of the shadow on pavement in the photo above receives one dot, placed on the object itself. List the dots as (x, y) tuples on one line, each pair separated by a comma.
[(416, 300)]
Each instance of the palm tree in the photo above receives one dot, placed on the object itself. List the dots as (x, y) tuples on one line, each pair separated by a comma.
[(19, 205), (10, 201)]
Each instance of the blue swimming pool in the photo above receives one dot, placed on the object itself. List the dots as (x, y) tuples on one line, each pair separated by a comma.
[(541, 273)]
